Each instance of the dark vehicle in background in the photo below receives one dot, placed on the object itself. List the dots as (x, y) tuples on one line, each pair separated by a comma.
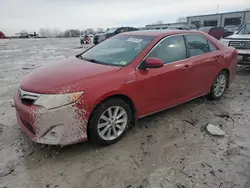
[(180, 27), (193, 27), (230, 29), (111, 32), (216, 32)]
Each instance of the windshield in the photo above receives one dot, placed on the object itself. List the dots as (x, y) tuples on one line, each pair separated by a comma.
[(245, 29), (120, 50), (231, 27), (112, 30)]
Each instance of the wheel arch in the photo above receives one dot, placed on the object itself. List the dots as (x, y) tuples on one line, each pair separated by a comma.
[(123, 97), (228, 75)]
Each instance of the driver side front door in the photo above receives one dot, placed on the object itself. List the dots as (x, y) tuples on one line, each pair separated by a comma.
[(160, 88)]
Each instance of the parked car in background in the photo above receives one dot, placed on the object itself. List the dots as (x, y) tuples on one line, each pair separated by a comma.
[(193, 27), (97, 94), (181, 27), (216, 32), (86, 39), (241, 41), (230, 30), (111, 32), (2, 35)]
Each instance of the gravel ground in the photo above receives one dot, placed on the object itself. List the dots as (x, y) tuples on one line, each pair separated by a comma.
[(166, 150)]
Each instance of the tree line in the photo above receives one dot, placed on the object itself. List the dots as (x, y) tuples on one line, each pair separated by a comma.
[(56, 33)]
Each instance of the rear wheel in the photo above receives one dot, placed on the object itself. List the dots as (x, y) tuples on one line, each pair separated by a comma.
[(219, 85), (109, 122)]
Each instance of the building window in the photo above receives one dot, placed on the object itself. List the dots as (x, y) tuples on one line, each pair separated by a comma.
[(195, 22), (210, 23), (232, 21)]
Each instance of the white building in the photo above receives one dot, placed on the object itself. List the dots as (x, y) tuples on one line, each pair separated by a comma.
[(220, 19)]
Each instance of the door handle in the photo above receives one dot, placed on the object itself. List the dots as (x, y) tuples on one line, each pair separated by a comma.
[(186, 66)]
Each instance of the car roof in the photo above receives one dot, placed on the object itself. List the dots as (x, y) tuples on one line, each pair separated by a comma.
[(156, 33)]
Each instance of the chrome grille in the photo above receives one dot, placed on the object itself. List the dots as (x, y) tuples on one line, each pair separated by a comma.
[(240, 44), (28, 96)]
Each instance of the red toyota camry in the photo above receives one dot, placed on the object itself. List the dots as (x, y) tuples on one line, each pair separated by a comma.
[(98, 94)]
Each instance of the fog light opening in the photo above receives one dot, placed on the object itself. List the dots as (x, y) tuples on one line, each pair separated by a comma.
[(53, 134)]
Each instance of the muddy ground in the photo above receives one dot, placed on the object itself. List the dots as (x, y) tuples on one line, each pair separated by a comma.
[(166, 150)]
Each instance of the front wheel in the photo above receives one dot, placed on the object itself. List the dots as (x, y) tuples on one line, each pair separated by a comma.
[(109, 122), (219, 85)]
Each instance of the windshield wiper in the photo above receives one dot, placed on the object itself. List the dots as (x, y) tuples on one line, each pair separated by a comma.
[(93, 60), (79, 56)]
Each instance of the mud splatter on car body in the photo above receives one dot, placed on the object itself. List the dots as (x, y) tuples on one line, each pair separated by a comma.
[(58, 126)]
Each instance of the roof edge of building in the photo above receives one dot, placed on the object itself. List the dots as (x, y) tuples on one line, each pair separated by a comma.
[(219, 13)]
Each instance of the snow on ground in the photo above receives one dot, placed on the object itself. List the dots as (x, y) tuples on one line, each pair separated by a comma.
[(168, 149)]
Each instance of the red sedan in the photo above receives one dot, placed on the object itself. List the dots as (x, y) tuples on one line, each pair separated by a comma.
[(98, 94)]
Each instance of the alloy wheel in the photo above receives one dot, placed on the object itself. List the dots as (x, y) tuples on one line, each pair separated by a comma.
[(112, 123), (220, 85)]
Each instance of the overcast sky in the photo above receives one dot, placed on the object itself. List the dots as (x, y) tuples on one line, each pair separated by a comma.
[(31, 15)]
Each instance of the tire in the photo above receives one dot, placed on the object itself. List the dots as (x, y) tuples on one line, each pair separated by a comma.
[(217, 88), (96, 128)]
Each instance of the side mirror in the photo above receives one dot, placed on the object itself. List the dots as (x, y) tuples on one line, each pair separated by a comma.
[(152, 62)]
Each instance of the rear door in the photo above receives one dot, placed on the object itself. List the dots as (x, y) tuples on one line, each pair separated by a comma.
[(205, 59), (169, 85)]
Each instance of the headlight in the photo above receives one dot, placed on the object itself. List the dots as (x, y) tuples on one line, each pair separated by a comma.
[(54, 101)]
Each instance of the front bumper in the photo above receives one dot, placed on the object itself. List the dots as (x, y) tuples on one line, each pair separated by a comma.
[(243, 51), (244, 56), (60, 126)]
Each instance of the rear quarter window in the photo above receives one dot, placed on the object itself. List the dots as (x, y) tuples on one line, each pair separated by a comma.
[(211, 46)]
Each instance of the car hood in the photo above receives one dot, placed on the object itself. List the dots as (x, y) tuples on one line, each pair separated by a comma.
[(239, 36), (64, 76)]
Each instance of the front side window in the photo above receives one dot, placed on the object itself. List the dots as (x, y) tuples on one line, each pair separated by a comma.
[(170, 49), (120, 50), (112, 30), (196, 45)]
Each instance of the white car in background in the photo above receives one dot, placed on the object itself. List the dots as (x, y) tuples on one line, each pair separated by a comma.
[(241, 41)]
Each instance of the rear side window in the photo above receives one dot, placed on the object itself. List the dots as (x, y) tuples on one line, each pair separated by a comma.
[(196, 45), (170, 49), (132, 29), (121, 30), (217, 29)]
